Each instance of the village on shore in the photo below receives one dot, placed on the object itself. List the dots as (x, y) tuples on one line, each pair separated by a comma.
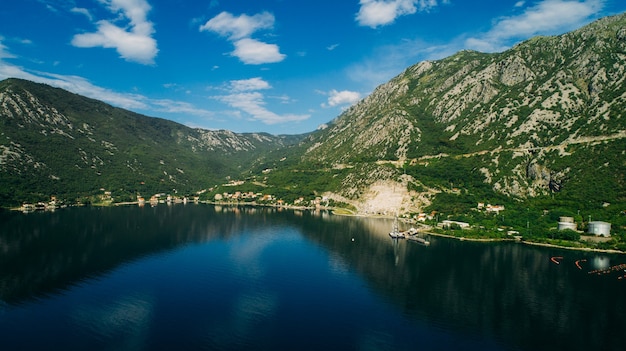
[(430, 223)]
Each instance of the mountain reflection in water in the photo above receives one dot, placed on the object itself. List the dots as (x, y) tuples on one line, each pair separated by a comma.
[(452, 294)]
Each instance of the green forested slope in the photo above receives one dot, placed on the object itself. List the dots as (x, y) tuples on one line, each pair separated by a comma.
[(53, 142)]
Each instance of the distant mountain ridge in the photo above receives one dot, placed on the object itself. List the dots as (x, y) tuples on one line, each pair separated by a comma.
[(53, 142)]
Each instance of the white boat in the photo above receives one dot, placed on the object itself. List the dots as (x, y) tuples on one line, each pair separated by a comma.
[(395, 233)]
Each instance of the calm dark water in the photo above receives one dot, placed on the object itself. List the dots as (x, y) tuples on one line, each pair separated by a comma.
[(204, 277)]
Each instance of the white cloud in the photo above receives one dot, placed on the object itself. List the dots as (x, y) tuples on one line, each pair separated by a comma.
[(374, 13), (134, 42), (73, 84), (254, 52), (253, 103), (227, 25), (239, 31), (388, 61), (82, 86), (249, 84), (77, 85), (180, 107), (345, 97), (130, 45), (548, 17), (245, 96)]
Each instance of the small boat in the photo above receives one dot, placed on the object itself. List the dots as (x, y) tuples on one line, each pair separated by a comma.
[(395, 233)]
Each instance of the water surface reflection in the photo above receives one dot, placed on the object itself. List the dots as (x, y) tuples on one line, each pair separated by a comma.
[(199, 276)]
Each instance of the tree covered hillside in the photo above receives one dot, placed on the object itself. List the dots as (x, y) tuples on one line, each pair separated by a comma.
[(53, 142)]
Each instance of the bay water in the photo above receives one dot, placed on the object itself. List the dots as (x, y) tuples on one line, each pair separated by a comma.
[(203, 277)]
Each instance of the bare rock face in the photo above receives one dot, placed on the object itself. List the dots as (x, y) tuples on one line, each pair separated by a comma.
[(514, 71), (538, 174)]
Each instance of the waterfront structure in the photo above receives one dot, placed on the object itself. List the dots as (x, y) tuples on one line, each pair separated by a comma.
[(567, 223), (599, 228)]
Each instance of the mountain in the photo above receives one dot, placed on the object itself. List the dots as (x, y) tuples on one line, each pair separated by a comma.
[(538, 128), (53, 142), (545, 119)]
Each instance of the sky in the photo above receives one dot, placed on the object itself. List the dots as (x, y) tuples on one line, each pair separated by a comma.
[(275, 66)]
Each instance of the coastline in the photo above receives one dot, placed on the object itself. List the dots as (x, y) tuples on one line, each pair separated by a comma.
[(491, 240), (486, 240), (339, 211), (588, 249)]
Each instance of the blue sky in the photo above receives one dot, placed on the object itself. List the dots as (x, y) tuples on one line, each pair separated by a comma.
[(277, 66)]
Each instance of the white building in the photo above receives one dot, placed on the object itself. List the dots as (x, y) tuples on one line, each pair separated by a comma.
[(495, 208), (448, 224), (567, 223), (599, 228)]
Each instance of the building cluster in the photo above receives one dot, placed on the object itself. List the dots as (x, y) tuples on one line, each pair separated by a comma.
[(489, 208), (239, 196), (422, 217), (593, 227), (243, 196), (235, 183), (165, 199), (51, 205)]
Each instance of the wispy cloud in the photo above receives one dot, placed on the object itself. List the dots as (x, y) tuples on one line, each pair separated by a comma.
[(78, 85), (245, 95), (239, 29), (83, 12), (56, 5), (547, 17), (82, 86), (374, 13), (179, 107), (134, 42), (4, 51), (390, 60), (251, 84)]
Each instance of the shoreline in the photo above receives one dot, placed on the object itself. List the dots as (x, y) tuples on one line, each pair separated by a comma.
[(588, 249), (524, 242), (491, 240), (339, 211)]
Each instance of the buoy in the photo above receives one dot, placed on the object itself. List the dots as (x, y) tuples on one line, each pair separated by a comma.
[(352, 239)]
